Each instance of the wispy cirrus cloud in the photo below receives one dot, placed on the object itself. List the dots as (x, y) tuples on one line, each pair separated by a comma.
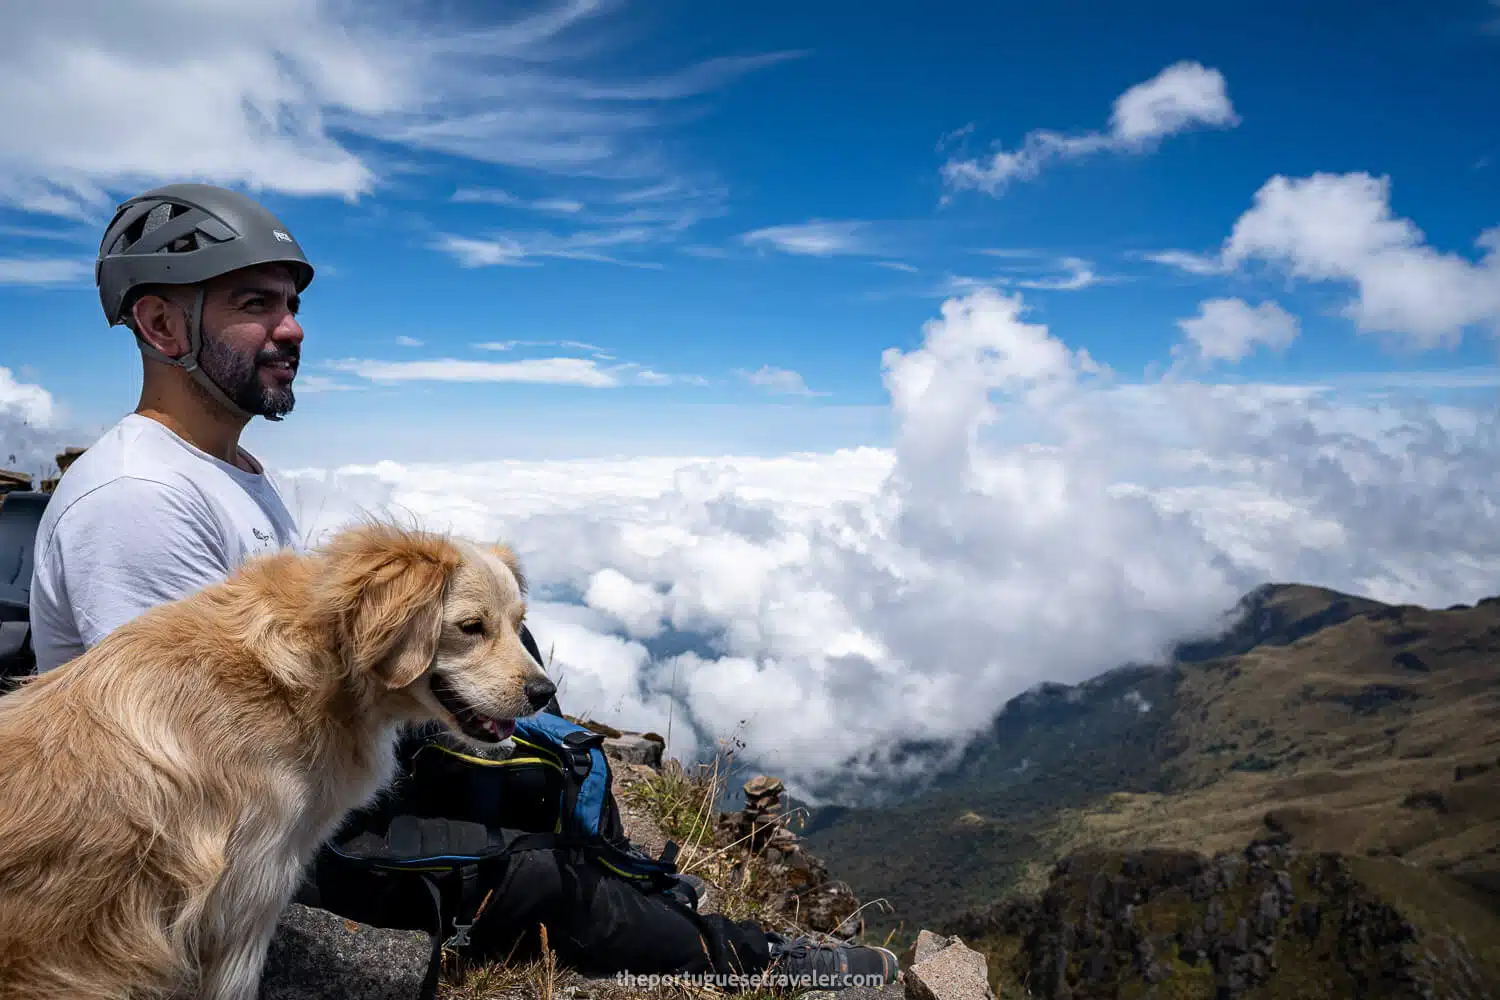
[(779, 381), (527, 249), (817, 238), (563, 371), (39, 271), (314, 383), (286, 98), (539, 371), (510, 345), (494, 196), (1185, 95), (1192, 263), (1034, 270)]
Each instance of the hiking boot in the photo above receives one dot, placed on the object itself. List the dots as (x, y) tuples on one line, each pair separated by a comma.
[(804, 962)]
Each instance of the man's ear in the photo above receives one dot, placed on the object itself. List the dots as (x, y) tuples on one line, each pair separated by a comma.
[(161, 321), (384, 597)]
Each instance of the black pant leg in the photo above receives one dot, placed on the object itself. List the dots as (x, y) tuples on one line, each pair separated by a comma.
[(601, 924)]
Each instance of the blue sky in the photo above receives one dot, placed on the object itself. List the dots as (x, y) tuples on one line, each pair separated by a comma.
[(703, 192), (714, 230)]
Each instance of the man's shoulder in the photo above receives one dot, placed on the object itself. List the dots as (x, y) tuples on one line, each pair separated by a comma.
[(128, 461)]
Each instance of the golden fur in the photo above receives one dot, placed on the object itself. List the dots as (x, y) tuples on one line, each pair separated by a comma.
[(161, 795)]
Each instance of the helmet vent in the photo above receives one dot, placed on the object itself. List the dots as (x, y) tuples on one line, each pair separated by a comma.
[(195, 239)]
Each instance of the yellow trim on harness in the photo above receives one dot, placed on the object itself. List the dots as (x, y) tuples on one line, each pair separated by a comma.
[(485, 762)]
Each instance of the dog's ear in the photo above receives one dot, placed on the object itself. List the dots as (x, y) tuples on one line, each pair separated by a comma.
[(384, 595), (508, 556)]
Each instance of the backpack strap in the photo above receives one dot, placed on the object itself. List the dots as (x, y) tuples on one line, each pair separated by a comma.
[(435, 960)]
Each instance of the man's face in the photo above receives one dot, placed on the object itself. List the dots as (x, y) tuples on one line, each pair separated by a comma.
[(252, 342)]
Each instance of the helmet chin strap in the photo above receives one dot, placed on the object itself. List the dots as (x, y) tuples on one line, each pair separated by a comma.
[(189, 361)]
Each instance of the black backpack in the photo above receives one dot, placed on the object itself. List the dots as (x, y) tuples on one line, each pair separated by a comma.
[(430, 853), (20, 515)]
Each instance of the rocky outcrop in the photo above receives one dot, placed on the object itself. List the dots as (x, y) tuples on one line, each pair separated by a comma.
[(1232, 926), (631, 748)]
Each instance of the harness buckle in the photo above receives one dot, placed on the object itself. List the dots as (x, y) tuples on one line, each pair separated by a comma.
[(460, 936)]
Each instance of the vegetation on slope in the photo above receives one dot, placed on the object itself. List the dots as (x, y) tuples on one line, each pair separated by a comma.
[(1338, 723)]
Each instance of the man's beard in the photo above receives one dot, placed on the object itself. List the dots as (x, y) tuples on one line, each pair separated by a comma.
[(239, 378)]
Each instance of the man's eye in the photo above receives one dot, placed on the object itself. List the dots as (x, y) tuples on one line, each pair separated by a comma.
[(472, 626)]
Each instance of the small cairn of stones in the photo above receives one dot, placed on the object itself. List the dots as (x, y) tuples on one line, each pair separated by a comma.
[(763, 821), (762, 828)]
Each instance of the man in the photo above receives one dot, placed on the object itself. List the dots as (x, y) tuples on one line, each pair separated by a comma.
[(167, 502)]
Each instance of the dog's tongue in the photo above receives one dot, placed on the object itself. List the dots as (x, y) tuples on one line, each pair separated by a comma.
[(501, 728)]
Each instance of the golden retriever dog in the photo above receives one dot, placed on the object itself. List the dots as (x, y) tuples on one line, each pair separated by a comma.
[(162, 794)]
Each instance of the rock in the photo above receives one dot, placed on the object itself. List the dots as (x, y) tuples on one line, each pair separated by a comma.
[(763, 787), (1241, 940), (827, 907), (929, 944), (1213, 919), (318, 955), (632, 749), (956, 972), (1267, 913)]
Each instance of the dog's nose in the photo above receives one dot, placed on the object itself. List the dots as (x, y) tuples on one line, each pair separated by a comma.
[(539, 692)]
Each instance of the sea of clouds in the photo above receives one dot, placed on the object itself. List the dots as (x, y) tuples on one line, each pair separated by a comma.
[(1036, 520)]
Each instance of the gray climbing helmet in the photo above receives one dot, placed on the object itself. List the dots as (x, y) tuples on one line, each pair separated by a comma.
[(184, 234)]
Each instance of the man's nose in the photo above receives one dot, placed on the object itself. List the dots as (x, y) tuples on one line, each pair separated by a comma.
[(288, 331)]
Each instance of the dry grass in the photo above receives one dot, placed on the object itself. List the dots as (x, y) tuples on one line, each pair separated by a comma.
[(544, 979)]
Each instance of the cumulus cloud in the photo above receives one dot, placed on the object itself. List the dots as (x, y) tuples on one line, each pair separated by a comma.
[(1184, 96), (319, 97), (1342, 229), (1034, 521), (1331, 227), (34, 425), (1230, 329)]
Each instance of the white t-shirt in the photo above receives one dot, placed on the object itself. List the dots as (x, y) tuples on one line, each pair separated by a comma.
[(142, 518)]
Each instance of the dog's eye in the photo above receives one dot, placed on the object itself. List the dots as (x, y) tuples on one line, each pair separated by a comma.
[(472, 626)]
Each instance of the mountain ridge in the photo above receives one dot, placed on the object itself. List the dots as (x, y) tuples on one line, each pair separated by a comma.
[(1322, 717)]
